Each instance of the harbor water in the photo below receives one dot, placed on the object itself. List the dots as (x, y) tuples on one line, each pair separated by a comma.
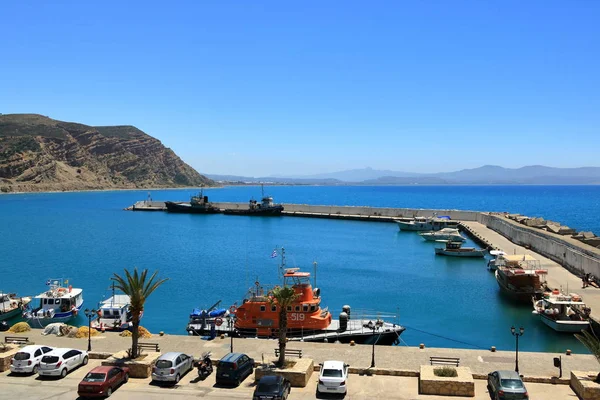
[(443, 302)]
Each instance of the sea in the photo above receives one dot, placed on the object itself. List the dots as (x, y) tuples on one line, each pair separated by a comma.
[(86, 237)]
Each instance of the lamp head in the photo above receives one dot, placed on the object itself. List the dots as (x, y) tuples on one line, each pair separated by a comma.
[(512, 330), (87, 312), (521, 330)]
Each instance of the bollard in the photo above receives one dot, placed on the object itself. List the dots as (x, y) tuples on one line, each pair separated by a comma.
[(421, 346), (161, 333), (222, 336), (493, 349), (568, 352), (352, 343)]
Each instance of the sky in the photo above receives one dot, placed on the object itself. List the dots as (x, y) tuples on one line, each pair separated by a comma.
[(259, 88)]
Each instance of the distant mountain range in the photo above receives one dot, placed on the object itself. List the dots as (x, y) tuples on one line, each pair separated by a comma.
[(487, 174)]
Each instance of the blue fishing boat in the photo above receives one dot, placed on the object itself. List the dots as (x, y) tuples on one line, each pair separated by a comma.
[(59, 303)]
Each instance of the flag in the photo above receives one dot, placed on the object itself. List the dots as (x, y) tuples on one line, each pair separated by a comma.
[(274, 253), (48, 282)]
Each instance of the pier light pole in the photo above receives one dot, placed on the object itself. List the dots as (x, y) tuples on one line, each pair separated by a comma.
[(516, 335), (89, 314), (230, 322), (374, 326)]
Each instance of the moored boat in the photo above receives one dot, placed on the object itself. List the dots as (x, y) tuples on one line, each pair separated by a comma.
[(520, 277), (451, 234), (265, 208), (57, 304), (198, 204), (422, 224), (114, 314), (11, 305), (455, 249), (258, 316), (563, 312), (497, 256)]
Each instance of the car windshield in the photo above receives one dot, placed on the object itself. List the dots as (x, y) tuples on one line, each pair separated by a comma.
[(50, 359), (332, 373), (163, 364), (94, 377), (511, 383), (225, 366), (22, 356), (267, 388)]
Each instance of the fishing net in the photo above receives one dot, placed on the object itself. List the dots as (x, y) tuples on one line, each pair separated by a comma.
[(20, 327), (143, 333)]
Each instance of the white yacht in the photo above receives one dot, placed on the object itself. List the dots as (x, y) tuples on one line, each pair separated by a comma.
[(455, 249), (492, 264), (57, 304), (423, 224), (114, 314), (451, 234), (563, 312)]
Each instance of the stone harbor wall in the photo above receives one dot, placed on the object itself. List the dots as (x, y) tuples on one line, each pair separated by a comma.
[(462, 385)]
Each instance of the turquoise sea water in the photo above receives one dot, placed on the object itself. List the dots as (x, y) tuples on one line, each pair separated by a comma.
[(444, 302)]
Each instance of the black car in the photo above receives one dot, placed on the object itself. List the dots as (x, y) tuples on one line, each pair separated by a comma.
[(272, 387), (233, 368)]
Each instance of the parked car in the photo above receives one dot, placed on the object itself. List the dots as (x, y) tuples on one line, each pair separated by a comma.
[(272, 387), (102, 381), (27, 360), (333, 377), (170, 367), (59, 362), (233, 368), (506, 384)]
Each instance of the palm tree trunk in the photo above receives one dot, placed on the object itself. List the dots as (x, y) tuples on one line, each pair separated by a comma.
[(282, 335), (135, 321)]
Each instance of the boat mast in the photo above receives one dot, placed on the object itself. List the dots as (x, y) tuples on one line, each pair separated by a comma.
[(282, 265), (315, 275)]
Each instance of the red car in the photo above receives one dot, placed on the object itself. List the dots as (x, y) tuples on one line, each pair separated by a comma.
[(102, 381)]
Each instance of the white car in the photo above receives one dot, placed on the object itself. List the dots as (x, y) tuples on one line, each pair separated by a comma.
[(59, 362), (333, 377), (27, 360)]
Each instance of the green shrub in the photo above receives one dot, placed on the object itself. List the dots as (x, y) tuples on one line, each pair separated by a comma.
[(448, 372)]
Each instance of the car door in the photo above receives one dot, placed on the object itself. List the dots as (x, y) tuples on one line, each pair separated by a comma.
[(185, 359), (68, 360), (113, 378), (37, 356), (245, 365), (77, 358), (493, 382), (178, 366)]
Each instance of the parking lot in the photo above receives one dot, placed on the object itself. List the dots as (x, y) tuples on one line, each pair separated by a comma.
[(190, 387)]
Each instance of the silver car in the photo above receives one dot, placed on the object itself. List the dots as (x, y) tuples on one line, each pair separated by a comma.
[(59, 362), (170, 367), (506, 385)]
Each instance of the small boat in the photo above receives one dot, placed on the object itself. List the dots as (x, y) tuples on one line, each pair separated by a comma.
[(455, 249), (423, 224), (198, 204), (562, 312), (520, 277), (492, 264), (57, 304), (258, 317), (451, 234), (11, 305), (265, 208), (114, 313)]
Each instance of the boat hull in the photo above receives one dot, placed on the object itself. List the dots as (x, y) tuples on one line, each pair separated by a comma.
[(264, 212), (416, 227), (452, 238), (36, 322), (10, 314), (470, 254), (518, 296), (565, 326), (186, 208)]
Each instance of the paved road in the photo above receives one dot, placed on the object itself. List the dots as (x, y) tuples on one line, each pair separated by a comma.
[(360, 387)]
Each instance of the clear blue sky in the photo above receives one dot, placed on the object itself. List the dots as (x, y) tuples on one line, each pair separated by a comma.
[(278, 87)]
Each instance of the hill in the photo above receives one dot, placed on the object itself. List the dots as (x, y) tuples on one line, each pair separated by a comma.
[(38, 153)]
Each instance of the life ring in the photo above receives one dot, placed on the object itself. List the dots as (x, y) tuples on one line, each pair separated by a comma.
[(232, 309)]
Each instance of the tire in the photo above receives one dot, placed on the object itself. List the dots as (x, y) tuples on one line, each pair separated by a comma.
[(126, 379), (109, 392), (35, 369), (237, 382), (177, 378), (85, 360), (63, 373)]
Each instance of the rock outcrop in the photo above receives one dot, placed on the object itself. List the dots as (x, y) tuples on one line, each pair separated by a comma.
[(41, 154)]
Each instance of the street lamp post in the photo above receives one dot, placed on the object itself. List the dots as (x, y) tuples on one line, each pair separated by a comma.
[(516, 335), (374, 326), (89, 314), (230, 322)]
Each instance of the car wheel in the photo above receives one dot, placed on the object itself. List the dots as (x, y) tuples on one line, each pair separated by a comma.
[(63, 373), (126, 378), (35, 370), (85, 360), (108, 392), (237, 382), (177, 379)]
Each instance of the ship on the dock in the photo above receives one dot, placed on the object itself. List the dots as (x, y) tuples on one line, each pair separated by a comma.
[(423, 224), (265, 208), (11, 305), (520, 277), (563, 312), (59, 303), (198, 204), (258, 317)]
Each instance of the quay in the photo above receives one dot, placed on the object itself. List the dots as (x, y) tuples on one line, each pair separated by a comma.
[(395, 375)]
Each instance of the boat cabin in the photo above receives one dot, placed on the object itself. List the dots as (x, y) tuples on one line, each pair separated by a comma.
[(560, 306), (58, 299), (114, 312)]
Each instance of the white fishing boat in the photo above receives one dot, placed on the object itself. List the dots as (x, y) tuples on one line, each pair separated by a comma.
[(451, 234), (11, 305), (493, 263), (114, 314), (57, 304), (563, 312), (455, 249), (423, 224)]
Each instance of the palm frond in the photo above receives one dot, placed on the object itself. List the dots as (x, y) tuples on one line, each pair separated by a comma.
[(591, 342)]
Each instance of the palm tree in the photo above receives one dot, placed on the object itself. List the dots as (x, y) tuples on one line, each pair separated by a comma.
[(591, 341), (282, 297), (138, 288)]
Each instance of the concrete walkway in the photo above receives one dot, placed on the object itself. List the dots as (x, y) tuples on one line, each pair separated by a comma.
[(558, 276)]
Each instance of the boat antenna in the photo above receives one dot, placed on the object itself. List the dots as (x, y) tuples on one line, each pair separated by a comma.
[(315, 275), (282, 265)]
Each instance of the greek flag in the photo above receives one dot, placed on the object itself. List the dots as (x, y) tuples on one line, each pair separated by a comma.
[(48, 282), (274, 253)]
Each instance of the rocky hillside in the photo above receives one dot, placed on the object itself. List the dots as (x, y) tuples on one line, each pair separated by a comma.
[(41, 154)]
